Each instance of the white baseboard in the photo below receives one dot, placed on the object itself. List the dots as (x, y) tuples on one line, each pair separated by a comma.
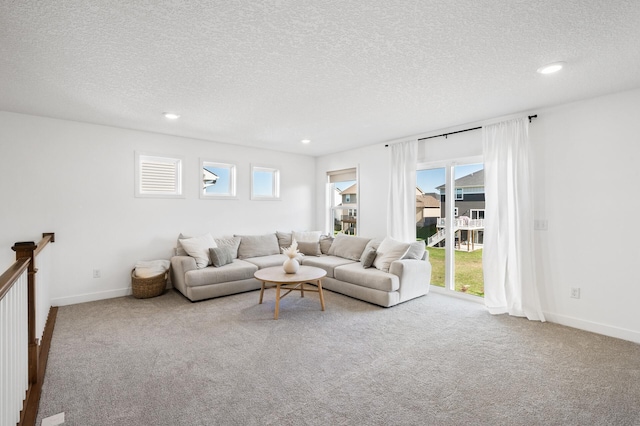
[(594, 327), (90, 297)]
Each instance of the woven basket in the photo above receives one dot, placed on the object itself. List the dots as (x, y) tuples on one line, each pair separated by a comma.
[(143, 288)]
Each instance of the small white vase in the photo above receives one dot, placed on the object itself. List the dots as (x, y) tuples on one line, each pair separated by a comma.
[(291, 266)]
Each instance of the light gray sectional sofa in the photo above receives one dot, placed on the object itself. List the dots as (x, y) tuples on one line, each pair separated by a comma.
[(384, 272)]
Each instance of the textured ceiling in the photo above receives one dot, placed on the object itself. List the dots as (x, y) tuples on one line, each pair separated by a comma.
[(344, 74)]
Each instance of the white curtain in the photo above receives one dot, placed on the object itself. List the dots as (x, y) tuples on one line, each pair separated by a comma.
[(508, 255), (401, 211)]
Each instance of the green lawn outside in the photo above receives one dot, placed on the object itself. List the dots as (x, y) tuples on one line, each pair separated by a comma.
[(468, 270)]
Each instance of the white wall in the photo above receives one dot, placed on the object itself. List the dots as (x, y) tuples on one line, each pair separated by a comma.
[(586, 170), (586, 174), (77, 180)]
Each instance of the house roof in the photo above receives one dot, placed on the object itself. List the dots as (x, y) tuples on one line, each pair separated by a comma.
[(342, 74), (474, 179), (428, 200), (353, 189)]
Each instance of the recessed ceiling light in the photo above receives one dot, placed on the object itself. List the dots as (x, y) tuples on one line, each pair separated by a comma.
[(305, 141), (551, 68), (171, 115)]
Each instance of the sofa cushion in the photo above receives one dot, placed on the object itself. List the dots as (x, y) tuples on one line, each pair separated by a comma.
[(232, 243), (328, 263), (309, 249), (368, 256), (220, 256), (371, 278), (235, 271), (306, 236), (284, 239), (416, 250), (348, 246), (198, 248), (268, 261), (257, 245), (180, 251), (388, 251), (325, 243)]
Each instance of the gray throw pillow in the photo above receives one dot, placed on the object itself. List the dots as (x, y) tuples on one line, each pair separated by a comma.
[(284, 239), (220, 256), (258, 245), (325, 243), (231, 243), (368, 256), (309, 249)]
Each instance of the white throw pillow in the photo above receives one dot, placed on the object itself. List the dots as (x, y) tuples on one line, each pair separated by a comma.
[(198, 248), (389, 251), (306, 236)]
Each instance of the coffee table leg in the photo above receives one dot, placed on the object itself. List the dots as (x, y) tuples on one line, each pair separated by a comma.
[(320, 293), (275, 316), (302, 289), (261, 292)]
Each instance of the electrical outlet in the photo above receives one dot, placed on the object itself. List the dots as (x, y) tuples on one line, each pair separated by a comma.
[(575, 292), (96, 273), (540, 225)]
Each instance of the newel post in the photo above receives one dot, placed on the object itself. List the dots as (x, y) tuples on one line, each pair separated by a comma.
[(27, 250)]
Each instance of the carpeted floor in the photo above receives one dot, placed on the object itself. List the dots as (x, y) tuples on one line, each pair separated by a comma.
[(435, 360)]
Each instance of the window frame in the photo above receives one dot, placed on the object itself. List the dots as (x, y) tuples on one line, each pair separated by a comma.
[(333, 208), (145, 157), (275, 183), (232, 193)]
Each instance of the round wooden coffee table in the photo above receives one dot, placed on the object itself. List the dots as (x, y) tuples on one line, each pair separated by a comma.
[(276, 275)]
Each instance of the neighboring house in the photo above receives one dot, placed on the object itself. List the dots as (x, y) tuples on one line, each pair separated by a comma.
[(468, 211), (469, 196), (208, 178), (427, 208), (348, 221)]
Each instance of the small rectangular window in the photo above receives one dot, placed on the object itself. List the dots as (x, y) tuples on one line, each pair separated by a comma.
[(217, 180), (158, 176), (265, 183), (459, 195)]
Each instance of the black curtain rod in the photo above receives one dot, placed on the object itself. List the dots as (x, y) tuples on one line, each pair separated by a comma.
[(461, 131)]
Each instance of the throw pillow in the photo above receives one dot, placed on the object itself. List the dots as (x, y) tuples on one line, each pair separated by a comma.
[(258, 245), (389, 251), (231, 243), (306, 236), (371, 245), (180, 251), (416, 250), (348, 247), (309, 249), (220, 256), (325, 243), (368, 256), (284, 239), (198, 248)]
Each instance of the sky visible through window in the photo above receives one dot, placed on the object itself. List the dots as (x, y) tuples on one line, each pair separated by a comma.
[(430, 179), (263, 183), (344, 185), (222, 185)]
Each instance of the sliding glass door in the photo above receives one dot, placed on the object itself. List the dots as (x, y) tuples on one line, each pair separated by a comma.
[(450, 219)]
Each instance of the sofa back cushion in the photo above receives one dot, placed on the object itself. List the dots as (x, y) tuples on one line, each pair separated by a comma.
[(348, 246), (257, 245), (306, 236)]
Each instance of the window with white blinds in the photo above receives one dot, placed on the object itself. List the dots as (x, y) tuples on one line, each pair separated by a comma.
[(158, 176)]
